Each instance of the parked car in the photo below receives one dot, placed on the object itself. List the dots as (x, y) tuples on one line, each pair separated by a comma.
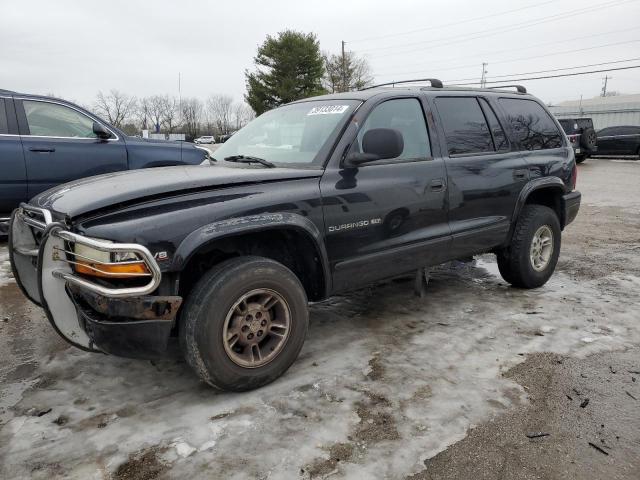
[(623, 140), (224, 137), (47, 141), (314, 198), (582, 137), (205, 139)]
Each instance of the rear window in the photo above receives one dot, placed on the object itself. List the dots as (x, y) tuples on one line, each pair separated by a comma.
[(465, 127), (584, 122), (533, 128), (569, 126), (4, 127)]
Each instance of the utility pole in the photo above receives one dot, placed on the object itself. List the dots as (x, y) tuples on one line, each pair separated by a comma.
[(604, 86), (344, 71), (483, 78)]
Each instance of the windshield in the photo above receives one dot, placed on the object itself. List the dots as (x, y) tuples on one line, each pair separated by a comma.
[(288, 135)]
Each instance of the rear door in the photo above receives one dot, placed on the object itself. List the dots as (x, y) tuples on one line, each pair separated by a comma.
[(484, 173), (13, 175), (59, 144)]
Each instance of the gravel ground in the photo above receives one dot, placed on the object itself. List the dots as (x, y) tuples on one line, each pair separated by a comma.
[(388, 385)]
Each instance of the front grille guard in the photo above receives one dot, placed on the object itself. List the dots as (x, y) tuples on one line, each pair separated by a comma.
[(38, 219), (35, 217), (142, 252)]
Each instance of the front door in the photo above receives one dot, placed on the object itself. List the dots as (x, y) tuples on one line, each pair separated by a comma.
[(60, 146), (388, 216)]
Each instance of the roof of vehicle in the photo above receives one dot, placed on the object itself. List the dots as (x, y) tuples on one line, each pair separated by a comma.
[(372, 92)]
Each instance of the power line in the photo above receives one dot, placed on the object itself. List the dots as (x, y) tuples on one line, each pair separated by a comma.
[(528, 58), (552, 70), (408, 32), (485, 33), (555, 76), (494, 52)]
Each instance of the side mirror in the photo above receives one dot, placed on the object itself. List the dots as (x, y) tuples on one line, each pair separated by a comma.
[(377, 144), (101, 132)]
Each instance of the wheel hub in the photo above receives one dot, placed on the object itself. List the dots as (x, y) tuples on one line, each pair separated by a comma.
[(256, 328), (541, 248)]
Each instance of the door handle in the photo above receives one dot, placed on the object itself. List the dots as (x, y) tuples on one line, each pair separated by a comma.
[(42, 149), (437, 185), (520, 173)]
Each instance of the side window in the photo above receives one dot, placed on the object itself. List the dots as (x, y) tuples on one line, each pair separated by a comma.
[(531, 124), (4, 126), (607, 131), (54, 120), (499, 137), (406, 116), (628, 131), (465, 127)]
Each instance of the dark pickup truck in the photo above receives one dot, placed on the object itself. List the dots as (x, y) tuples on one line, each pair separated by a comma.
[(313, 198), (46, 141)]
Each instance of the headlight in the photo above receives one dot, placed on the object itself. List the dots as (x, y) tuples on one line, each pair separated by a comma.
[(91, 261)]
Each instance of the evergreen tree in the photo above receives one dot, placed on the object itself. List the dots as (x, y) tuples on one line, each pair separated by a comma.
[(289, 67)]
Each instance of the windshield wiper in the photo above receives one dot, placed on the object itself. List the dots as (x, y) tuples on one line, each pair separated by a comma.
[(249, 159)]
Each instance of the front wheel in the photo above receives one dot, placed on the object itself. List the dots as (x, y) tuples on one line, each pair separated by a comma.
[(532, 255), (244, 323)]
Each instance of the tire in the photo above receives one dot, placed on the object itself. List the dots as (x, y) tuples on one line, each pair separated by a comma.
[(209, 313), (588, 139), (515, 263)]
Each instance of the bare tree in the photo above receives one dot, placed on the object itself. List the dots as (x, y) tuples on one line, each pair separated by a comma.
[(343, 74), (116, 106), (219, 108), (191, 116), (156, 111), (242, 114), (143, 112), (169, 106)]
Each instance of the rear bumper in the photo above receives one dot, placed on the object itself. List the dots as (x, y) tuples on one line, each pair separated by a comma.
[(570, 207)]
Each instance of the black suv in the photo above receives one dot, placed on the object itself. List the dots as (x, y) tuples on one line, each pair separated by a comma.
[(582, 137), (310, 199)]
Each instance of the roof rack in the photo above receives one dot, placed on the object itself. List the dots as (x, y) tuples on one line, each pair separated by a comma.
[(519, 88), (435, 83)]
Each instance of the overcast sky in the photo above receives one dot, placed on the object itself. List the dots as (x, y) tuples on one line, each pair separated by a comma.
[(76, 48)]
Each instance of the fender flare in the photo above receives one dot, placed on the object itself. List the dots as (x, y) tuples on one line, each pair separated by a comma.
[(536, 184), (252, 223)]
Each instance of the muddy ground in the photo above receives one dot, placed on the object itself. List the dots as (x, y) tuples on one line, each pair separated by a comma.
[(475, 380)]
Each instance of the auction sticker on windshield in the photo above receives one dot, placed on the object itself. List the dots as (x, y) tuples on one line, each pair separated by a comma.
[(328, 110)]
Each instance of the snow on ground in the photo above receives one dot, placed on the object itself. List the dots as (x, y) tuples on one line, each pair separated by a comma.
[(385, 377), (5, 267)]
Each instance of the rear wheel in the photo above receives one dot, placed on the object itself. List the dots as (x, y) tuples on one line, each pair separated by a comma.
[(244, 323), (531, 257)]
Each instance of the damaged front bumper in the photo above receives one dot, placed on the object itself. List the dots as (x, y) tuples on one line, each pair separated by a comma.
[(124, 321)]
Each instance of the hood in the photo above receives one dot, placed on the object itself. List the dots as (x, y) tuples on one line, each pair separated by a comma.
[(95, 193)]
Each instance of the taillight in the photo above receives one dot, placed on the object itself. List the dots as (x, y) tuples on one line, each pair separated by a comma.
[(574, 177)]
